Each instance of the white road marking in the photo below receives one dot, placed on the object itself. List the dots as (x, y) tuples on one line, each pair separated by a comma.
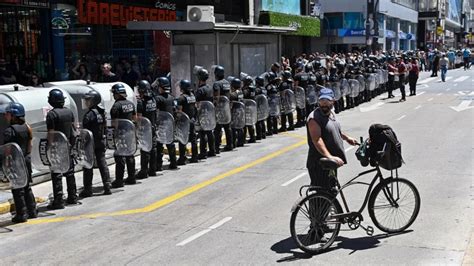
[(448, 78), (427, 80), (203, 232), (418, 107), (293, 180), (421, 93), (350, 148), (439, 94), (464, 105), (423, 86), (371, 107), (401, 117), (460, 79), (430, 99)]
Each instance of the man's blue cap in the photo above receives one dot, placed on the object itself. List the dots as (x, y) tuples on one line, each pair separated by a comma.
[(327, 94)]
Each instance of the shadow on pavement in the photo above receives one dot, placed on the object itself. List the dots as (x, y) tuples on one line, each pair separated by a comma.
[(288, 246)]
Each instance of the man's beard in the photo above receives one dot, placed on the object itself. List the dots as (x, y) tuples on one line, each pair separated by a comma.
[(326, 109)]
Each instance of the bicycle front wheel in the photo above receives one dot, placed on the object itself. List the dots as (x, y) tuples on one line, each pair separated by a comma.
[(311, 225), (394, 205)]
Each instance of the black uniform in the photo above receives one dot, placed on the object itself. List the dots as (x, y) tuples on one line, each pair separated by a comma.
[(272, 121), (311, 83), (249, 93), (123, 109), (165, 103), (62, 120), (302, 79), (284, 117), (188, 103), (222, 88), (147, 108), (239, 137), (205, 93), (94, 120), (260, 126), (24, 199)]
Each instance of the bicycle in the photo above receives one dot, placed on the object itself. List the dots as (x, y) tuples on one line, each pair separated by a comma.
[(388, 200)]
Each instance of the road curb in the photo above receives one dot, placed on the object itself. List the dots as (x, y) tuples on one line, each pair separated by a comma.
[(9, 206)]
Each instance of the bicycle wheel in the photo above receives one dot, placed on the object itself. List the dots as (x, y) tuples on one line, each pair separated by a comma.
[(311, 225), (394, 205)]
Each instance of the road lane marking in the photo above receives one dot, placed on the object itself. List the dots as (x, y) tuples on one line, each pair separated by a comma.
[(418, 107), (293, 179), (430, 99), (172, 198), (448, 78), (421, 93), (205, 231), (427, 80), (401, 117), (350, 148), (463, 78)]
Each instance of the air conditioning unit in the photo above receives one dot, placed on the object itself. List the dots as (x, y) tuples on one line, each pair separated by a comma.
[(201, 14)]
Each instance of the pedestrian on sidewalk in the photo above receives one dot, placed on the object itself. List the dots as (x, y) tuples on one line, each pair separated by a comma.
[(444, 63), (19, 132), (413, 75), (392, 71), (466, 56), (402, 69)]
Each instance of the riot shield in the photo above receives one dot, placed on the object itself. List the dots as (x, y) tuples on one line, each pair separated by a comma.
[(288, 101), (380, 76), (355, 87), (262, 107), (206, 115), (274, 105), (223, 115), (340, 89), (312, 95), (385, 75), (83, 150), (362, 83), (50, 151), (13, 165), (371, 81), (238, 115), (300, 96), (121, 137), (250, 112), (144, 134), (182, 126), (377, 81), (165, 128)]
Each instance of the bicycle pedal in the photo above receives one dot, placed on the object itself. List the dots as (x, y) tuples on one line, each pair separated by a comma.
[(369, 230)]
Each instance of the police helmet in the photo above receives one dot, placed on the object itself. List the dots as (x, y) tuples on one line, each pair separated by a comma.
[(16, 109), (143, 85), (219, 72), (317, 65), (90, 99), (236, 83), (202, 74), (260, 81), (56, 98), (308, 68), (286, 74), (271, 77), (248, 80), (185, 85), (119, 89)]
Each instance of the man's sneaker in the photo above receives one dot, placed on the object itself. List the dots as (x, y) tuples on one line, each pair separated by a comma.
[(130, 181), (85, 194), (117, 185)]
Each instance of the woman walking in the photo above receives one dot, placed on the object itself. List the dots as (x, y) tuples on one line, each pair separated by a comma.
[(413, 76)]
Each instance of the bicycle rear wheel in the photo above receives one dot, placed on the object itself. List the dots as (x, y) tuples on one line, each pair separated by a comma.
[(311, 225), (394, 205)]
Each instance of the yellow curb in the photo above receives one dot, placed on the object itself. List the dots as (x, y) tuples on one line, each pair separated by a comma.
[(9, 206)]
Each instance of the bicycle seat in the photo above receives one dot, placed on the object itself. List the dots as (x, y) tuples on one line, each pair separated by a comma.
[(328, 164)]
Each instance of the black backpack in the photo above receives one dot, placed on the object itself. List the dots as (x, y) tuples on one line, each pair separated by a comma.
[(385, 149)]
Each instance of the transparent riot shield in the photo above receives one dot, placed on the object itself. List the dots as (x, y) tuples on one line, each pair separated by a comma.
[(50, 151), (262, 107), (206, 115), (371, 81), (121, 137), (83, 150), (300, 96), (223, 115), (377, 81), (340, 89), (288, 101), (355, 87), (385, 76), (165, 128), (182, 127), (362, 83), (274, 105), (238, 115), (144, 134), (312, 94), (13, 166), (380, 76), (250, 112)]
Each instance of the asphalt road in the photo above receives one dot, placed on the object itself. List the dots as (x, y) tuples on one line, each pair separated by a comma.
[(235, 209)]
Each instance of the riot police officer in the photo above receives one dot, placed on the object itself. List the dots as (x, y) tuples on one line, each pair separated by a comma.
[(62, 119), (187, 104), (20, 133), (222, 88), (205, 93), (287, 83), (301, 80), (236, 95), (165, 103), (123, 109), (146, 107), (260, 90), (272, 91), (94, 120), (249, 92)]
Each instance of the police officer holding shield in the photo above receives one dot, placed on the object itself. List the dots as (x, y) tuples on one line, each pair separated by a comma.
[(260, 90), (221, 87), (62, 119), (249, 92), (94, 120), (123, 109), (19, 132), (287, 83), (187, 104), (301, 80), (146, 107), (205, 93), (272, 90), (165, 103), (236, 95)]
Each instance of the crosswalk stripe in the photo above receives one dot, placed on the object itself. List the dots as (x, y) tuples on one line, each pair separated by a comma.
[(427, 80), (463, 78)]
